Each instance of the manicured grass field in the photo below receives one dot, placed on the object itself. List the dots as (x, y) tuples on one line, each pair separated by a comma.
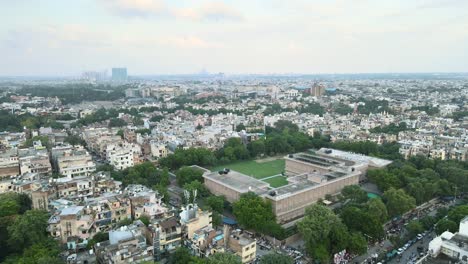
[(255, 169), (277, 181)]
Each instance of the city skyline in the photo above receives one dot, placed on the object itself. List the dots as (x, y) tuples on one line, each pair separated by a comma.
[(152, 37)]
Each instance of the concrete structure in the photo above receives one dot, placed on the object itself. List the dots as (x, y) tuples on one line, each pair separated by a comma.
[(317, 90), (72, 161), (125, 245), (454, 246), (166, 235), (145, 202), (158, 150), (326, 160), (120, 157), (233, 184), (241, 243), (119, 74), (9, 163), (312, 175), (193, 219)]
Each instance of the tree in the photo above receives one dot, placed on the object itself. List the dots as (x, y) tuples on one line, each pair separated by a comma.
[(98, 237), (223, 258), (377, 209), (216, 203), (188, 157), (458, 213), (323, 232), (354, 193), (182, 256), (188, 174), (357, 243), (282, 125), (275, 258), (253, 212), (144, 173), (8, 205), (361, 221), (162, 190), (233, 150), (144, 219), (240, 127), (28, 229), (117, 122), (428, 222), (46, 252), (43, 139), (316, 224), (256, 147), (398, 202), (120, 133), (414, 228), (202, 191), (446, 225), (74, 140)]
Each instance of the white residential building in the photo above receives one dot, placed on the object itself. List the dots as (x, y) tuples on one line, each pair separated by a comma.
[(452, 245)]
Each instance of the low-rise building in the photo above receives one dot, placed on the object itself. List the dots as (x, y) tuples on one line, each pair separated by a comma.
[(126, 244), (73, 161), (454, 246)]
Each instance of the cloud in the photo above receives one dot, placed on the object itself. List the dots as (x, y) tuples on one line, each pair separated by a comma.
[(212, 11), (135, 8)]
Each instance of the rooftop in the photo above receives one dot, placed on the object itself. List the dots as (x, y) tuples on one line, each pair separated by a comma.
[(360, 158), (73, 210), (238, 181)]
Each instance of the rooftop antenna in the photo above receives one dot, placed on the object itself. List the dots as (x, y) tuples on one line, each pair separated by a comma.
[(194, 195), (187, 196)]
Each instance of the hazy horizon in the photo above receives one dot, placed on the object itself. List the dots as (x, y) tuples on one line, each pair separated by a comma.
[(158, 37)]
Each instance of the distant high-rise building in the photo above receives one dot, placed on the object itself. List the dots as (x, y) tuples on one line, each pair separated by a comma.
[(94, 75), (317, 89), (119, 74)]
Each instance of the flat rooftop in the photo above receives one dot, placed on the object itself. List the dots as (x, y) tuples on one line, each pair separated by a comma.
[(302, 182), (355, 157), (238, 181)]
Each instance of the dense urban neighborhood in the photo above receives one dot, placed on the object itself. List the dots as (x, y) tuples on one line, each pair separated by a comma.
[(234, 169)]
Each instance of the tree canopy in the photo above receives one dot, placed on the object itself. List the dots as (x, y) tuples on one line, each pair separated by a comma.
[(325, 234), (253, 212)]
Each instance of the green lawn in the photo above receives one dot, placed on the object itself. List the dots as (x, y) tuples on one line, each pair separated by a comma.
[(277, 181), (255, 169)]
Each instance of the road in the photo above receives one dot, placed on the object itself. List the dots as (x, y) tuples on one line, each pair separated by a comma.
[(413, 249)]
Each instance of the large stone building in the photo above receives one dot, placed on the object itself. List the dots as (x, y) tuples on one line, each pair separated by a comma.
[(311, 176)]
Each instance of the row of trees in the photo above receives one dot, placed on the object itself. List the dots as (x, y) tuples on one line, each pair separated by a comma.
[(423, 178), (145, 174), (183, 256), (281, 139), (428, 109), (16, 123), (390, 129), (76, 93)]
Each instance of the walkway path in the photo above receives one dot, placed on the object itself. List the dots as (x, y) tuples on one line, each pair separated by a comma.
[(269, 177)]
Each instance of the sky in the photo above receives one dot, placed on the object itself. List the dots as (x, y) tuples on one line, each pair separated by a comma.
[(67, 37)]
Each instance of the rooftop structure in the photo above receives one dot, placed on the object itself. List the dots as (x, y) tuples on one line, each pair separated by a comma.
[(233, 184), (454, 246)]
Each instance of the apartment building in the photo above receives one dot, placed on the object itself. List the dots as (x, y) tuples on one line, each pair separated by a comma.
[(73, 161)]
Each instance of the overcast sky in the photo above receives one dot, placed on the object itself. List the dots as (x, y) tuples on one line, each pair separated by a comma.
[(66, 37)]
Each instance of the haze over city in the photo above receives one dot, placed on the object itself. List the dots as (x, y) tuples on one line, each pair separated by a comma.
[(234, 131), (64, 38)]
